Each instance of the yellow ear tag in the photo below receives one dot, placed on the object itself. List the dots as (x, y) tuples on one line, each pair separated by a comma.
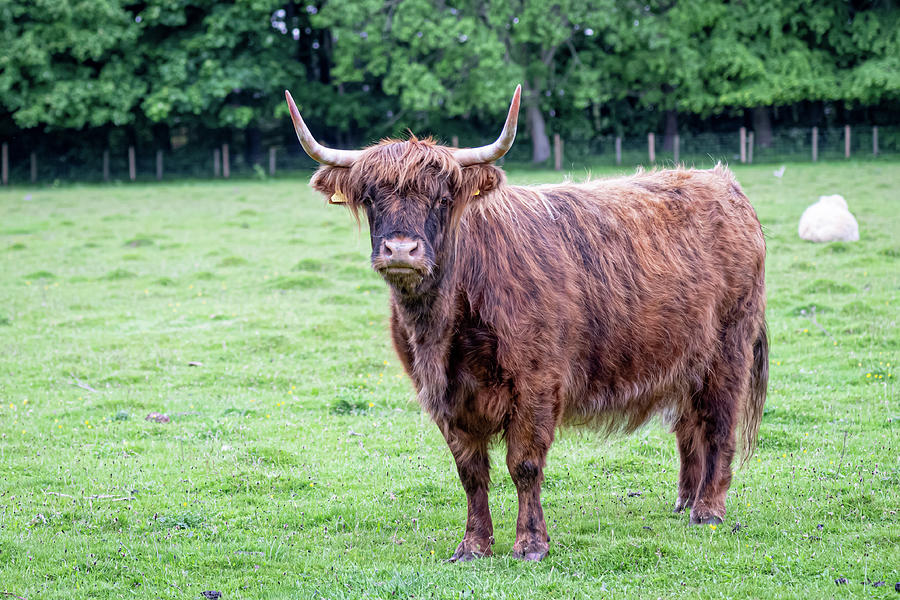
[(338, 198), (476, 192)]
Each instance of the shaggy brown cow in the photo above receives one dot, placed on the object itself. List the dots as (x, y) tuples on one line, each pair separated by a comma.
[(518, 309)]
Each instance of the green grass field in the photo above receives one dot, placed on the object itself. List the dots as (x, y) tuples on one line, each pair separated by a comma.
[(297, 465)]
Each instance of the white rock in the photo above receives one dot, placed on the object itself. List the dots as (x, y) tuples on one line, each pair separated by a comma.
[(828, 220)]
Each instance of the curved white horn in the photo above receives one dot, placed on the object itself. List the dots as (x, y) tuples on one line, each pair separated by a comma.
[(492, 152), (316, 151)]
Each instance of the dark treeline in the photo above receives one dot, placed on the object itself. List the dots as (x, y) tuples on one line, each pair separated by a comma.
[(82, 76)]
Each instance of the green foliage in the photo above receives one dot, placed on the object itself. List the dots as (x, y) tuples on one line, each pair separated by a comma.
[(69, 64), (363, 69), (781, 53), (221, 63)]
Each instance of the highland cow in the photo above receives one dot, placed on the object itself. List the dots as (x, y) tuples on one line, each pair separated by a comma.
[(516, 310)]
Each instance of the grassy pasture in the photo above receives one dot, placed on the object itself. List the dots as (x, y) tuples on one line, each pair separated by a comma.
[(296, 463)]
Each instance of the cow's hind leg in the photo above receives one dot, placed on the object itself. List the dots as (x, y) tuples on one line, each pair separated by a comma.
[(717, 408), (528, 438), (473, 464)]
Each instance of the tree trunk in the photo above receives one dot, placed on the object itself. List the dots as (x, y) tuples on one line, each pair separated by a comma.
[(671, 130), (762, 126), (537, 129)]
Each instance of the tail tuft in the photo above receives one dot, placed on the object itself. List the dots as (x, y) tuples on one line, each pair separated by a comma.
[(759, 381)]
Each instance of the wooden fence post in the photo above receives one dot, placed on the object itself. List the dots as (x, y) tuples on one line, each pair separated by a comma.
[(618, 150), (106, 165), (846, 141), (132, 167), (676, 146), (217, 169), (33, 167), (557, 152), (742, 134), (454, 141), (226, 166), (750, 147), (815, 144), (4, 167), (651, 146), (272, 160), (159, 165), (875, 141)]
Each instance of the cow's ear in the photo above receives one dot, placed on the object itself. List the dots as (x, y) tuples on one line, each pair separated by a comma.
[(335, 184), (475, 182), (339, 187), (478, 180)]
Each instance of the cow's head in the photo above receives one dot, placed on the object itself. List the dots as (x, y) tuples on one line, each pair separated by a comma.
[(413, 193)]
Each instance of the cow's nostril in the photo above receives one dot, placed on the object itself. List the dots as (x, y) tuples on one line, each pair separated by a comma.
[(402, 250)]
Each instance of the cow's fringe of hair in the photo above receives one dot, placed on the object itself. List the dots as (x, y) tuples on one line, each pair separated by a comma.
[(411, 163)]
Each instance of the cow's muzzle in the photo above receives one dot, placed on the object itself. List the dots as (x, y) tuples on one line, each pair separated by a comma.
[(401, 260)]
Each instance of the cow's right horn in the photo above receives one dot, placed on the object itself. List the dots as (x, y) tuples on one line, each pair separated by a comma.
[(316, 151), (495, 151)]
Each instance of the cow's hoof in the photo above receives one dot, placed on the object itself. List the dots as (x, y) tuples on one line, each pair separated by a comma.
[(465, 556), (532, 552), (681, 504), (467, 551), (710, 520)]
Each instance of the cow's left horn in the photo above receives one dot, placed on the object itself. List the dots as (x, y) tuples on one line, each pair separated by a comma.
[(316, 151), (492, 152)]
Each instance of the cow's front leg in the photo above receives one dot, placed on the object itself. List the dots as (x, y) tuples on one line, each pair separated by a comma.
[(528, 439), (473, 464)]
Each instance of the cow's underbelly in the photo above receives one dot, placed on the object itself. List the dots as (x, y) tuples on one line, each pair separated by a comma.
[(627, 405), (483, 391)]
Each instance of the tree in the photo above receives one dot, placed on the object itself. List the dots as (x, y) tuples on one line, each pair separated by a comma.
[(776, 53), (658, 54), (708, 57), (221, 65), (455, 61), (68, 64)]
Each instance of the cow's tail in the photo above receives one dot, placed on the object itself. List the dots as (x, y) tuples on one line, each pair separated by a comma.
[(756, 399)]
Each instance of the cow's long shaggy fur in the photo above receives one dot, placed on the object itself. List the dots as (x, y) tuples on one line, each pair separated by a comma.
[(604, 302)]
